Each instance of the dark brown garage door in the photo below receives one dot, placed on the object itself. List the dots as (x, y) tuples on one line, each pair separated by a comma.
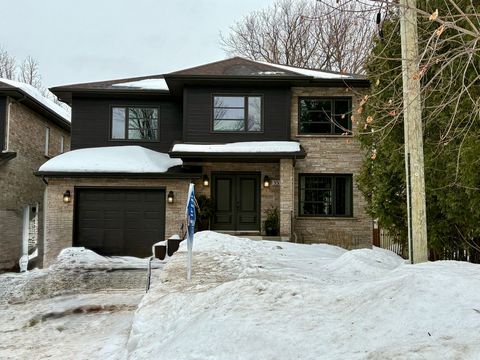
[(119, 221)]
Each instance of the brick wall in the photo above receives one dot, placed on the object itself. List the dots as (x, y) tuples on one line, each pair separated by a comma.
[(59, 216), (331, 154), (19, 187)]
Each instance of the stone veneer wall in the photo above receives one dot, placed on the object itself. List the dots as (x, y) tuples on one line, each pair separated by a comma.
[(287, 175), (269, 197), (59, 216), (19, 187), (334, 154)]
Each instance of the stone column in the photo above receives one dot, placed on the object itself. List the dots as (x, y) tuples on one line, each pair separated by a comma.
[(286, 196)]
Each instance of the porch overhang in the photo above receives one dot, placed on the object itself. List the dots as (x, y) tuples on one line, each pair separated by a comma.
[(264, 151)]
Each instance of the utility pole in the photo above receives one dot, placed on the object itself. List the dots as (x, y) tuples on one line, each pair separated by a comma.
[(412, 118)]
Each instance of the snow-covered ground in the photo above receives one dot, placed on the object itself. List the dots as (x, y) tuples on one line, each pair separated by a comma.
[(267, 300), (259, 300)]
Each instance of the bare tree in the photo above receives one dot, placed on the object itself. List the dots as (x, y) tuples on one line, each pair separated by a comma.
[(8, 65), (29, 73), (303, 33)]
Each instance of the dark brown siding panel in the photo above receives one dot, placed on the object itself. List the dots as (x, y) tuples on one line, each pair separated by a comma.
[(91, 122), (3, 121), (198, 114)]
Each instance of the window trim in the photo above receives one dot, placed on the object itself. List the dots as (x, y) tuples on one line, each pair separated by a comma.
[(333, 176), (245, 104), (110, 127), (332, 126)]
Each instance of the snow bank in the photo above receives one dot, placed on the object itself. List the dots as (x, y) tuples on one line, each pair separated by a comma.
[(270, 300), (76, 270), (79, 257), (113, 159), (34, 93), (240, 147), (147, 84)]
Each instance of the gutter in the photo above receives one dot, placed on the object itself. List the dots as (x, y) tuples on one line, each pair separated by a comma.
[(59, 174)]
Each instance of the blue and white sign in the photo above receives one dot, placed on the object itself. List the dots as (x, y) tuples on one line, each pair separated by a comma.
[(191, 217)]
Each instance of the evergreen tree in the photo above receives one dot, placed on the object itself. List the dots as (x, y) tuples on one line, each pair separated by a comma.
[(449, 75)]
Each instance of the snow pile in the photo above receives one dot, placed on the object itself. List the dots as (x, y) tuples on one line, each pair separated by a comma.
[(268, 300), (146, 84), (76, 270), (241, 147), (34, 93), (79, 257), (113, 159)]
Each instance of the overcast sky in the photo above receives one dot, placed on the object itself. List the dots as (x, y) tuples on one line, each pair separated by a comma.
[(93, 40)]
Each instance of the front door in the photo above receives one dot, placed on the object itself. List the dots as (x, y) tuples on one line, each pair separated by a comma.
[(237, 201)]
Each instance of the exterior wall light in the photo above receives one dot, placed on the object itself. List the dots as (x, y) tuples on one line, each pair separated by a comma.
[(170, 197), (266, 181), (67, 197), (206, 180)]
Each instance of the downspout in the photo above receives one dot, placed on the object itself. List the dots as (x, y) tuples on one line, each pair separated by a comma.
[(292, 212)]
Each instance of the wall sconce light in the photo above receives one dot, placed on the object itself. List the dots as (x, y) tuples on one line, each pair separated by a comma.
[(67, 197), (206, 180), (266, 181), (170, 197)]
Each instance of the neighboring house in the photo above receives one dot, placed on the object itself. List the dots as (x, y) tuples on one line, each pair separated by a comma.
[(251, 135), (32, 130)]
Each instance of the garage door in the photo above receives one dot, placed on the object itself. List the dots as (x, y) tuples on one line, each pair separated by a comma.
[(119, 221)]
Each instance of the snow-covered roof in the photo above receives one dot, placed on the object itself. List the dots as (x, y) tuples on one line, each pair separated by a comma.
[(34, 93), (112, 159), (240, 147), (146, 84), (317, 74)]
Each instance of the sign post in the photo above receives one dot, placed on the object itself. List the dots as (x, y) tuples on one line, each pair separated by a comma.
[(191, 217)]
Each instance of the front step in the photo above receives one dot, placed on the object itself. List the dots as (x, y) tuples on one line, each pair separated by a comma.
[(255, 235)]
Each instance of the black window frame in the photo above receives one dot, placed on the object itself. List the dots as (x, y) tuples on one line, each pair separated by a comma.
[(126, 107), (332, 99), (333, 190), (245, 119)]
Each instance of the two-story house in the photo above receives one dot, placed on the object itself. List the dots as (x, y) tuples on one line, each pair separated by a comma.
[(32, 130), (250, 135)]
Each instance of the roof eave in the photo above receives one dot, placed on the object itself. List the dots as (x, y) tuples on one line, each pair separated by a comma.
[(46, 111), (166, 175), (237, 155)]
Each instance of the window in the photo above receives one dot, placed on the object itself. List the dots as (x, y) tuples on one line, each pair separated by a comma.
[(62, 144), (237, 113), (47, 141), (324, 115), (325, 195), (134, 123)]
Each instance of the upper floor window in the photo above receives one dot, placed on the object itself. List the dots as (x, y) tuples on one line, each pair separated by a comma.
[(47, 142), (237, 113), (324, 115), (325, 195), (134, 123)]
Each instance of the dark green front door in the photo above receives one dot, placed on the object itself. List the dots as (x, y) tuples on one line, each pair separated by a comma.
[(237, 201)]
